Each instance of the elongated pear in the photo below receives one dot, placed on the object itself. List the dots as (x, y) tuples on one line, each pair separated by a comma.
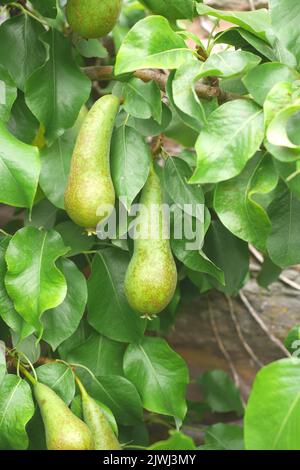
[(103, 435), (90, 195), (151, 277), (93, 18), (64, 431)]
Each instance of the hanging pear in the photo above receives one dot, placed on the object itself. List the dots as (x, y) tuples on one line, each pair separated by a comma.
[(90, 195), (93, 18), (103, 435), (64, 431), (151, 277)]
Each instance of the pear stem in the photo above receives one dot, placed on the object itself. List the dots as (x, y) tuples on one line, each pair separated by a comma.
[(80, 386), (25, 372)]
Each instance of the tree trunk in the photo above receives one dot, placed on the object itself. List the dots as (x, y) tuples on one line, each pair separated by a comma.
[(209, 336)]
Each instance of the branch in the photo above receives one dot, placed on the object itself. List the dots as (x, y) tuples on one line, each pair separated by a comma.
[(206, 92)]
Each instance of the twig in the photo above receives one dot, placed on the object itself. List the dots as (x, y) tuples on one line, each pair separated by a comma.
[(245, 344), (284, 279), (221, 345), (251, 5), (106, 72), (262, 324)]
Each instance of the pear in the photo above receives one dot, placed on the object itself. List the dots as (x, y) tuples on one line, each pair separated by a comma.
[(151, 276), (90, 195), (93, 18), (64, 431), (104, 437)]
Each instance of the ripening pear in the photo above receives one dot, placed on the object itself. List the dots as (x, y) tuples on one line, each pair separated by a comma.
[(90, 194), (93, 18), (64, 431), (151, 276), (103, 435)]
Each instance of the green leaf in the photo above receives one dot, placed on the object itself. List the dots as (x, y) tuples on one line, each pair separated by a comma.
[(176, 441), (159, 374), (151, 43), (257, 22), (7, 310), (277, 130), (228, 253), (60, 378), (232, 135), (75, 237), (91, 48), (27, 346), (176, 174), (292, 341), (127, 148), (260, 80), (223, 437), (61, 322), (108, 309), (56, 92), (2, 361), (16, 409), (47, 9), (269, 273), (220, 393), (143, 100), (8, 94), (278, 98), (19, 170), (100, 354), (19, 37), (273, 409), (283, 13), (171, 9), (283, 242), (43, 215), (119, 395), (235, 203), (30, 258), (196, 260), (22, 123)]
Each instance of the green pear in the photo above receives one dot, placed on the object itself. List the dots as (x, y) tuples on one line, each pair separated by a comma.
[(151, 276), (103, 435), (64, 431), (90, 195), (93, 18)]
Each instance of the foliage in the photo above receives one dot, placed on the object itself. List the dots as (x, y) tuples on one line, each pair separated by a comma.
[(233, 112)]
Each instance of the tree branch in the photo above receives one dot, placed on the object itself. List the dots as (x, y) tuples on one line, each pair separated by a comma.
[(206, 92)]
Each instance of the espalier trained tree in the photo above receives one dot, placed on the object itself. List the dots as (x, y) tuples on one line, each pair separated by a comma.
[(89, 92)]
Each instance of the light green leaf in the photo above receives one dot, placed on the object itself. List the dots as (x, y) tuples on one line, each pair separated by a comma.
[(235, 204), (232, 135), (8, 94), (61, 322), (260, 80), (108, 310), (127, 148), (176, 441), (257, 22), (283, 243), (143, 100), (56, 92), (223, 437), (91, 48), (2, 361), (283, 13), (16, 409), (60, 378), (33, 281), (159, 374), (19, 170), (273, 409), (151, 43)]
